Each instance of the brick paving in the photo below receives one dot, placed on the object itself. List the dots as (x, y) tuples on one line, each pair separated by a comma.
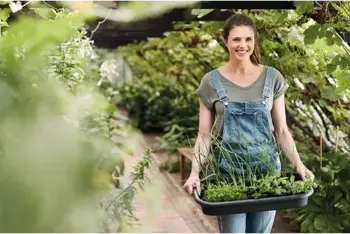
[(163, 207)]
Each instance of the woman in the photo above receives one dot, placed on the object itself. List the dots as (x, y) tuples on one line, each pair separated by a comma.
[(245, 98)]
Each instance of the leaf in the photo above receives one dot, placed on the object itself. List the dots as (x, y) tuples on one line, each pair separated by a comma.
[(279, 17), (331, 67), (3, 24), (344, 62), (344, 174), (330, 38), (343, 80), (311, 34), (201, 12), (325, 169), (342, 8), (337, 195), (320, 223), (44, 13), (4, 2), (305, 225), (303, 7), (4, 14), (329, 93)]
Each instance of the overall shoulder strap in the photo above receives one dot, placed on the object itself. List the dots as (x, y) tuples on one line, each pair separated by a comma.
[(221, 92), (268, 86)]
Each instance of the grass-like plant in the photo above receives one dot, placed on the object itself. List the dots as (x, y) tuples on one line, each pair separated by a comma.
[(245, 177)]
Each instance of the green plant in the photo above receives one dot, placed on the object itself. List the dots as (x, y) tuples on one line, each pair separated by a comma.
[(328, 209), (245, 178), (153, 102), (224, 192), (266, 186), (56, 138)]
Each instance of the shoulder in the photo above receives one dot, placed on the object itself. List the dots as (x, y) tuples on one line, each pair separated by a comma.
[(276, 73), (280, 84), (207, 80), (206, 90)]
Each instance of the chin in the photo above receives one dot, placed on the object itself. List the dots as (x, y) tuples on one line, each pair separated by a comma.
[(243, 59)]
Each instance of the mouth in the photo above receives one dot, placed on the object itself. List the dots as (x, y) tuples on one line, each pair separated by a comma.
[(242, 52)]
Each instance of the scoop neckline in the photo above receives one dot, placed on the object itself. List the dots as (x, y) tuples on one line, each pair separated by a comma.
[(241, 87)]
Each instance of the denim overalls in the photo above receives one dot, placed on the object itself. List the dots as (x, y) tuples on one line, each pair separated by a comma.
[(248, 138)]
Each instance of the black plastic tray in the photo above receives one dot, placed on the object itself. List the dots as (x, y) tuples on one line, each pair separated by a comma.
[(253, 205)]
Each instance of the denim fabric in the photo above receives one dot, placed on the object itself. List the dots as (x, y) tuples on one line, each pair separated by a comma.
[(250, 148), (256, 222)]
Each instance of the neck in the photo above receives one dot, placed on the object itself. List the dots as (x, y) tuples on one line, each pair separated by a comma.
[(240, 67)]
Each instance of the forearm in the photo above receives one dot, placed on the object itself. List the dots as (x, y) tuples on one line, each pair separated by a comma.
[(201, 152), (287, 144)]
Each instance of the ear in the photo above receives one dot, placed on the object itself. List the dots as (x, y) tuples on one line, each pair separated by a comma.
[(225, 41)]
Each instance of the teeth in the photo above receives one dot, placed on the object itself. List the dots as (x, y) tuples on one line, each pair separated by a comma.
[(241, 52)]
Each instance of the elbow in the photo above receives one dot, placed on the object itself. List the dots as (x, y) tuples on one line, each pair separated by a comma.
[(203, 135), (281, 132)]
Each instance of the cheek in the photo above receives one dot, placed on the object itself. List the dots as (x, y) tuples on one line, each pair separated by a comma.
[(251, 44), (234, 45)]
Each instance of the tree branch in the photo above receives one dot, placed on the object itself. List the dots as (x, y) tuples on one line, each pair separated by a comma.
[(99, 24), (315, 105)]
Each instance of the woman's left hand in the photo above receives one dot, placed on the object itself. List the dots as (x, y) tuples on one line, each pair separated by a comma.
[(304, 172)]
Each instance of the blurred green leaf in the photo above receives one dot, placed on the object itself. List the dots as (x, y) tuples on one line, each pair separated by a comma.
[(201, 12), (45, 13), (311, 34), (5, 2), (4, 14), (303, 7)]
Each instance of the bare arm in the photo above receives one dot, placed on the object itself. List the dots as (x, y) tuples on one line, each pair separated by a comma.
[(203, 141), (284, 137), (201, 148)]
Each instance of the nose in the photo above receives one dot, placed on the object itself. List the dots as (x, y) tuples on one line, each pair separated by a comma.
[(242, 44)]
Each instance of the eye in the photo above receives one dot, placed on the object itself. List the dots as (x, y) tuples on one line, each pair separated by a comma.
[(236, 39), (249, 39)]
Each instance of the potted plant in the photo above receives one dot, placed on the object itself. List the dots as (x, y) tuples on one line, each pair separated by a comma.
[(246, 187)]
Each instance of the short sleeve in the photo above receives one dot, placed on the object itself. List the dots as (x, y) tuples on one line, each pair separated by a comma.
[(280, 85), (205, 92)]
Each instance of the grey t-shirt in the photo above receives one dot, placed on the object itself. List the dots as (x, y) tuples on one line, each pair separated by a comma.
[(207, 93)]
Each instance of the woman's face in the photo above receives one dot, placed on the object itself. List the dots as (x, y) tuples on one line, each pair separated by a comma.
[(240, 42)]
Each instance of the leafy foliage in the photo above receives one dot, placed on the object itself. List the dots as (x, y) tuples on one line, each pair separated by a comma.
[(328, 209), (266, 186), (304, 7), (162, 95), (58, 131)]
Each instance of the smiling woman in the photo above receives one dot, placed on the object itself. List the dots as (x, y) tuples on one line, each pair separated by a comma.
[(246, 98)]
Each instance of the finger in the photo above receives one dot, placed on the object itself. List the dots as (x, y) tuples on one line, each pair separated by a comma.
[(190, 190), (198, 186), (186, 187), (312, 176)]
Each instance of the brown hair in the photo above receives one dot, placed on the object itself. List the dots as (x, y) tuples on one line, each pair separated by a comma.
[(243, 20)]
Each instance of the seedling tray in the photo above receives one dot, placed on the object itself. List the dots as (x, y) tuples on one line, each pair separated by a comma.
[(253, 205)]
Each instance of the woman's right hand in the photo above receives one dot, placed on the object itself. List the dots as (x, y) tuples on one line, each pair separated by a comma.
[(192, 182)]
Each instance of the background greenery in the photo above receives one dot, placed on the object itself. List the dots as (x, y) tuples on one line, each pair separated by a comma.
[(61, 157), (62, 144), (305, 46)]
